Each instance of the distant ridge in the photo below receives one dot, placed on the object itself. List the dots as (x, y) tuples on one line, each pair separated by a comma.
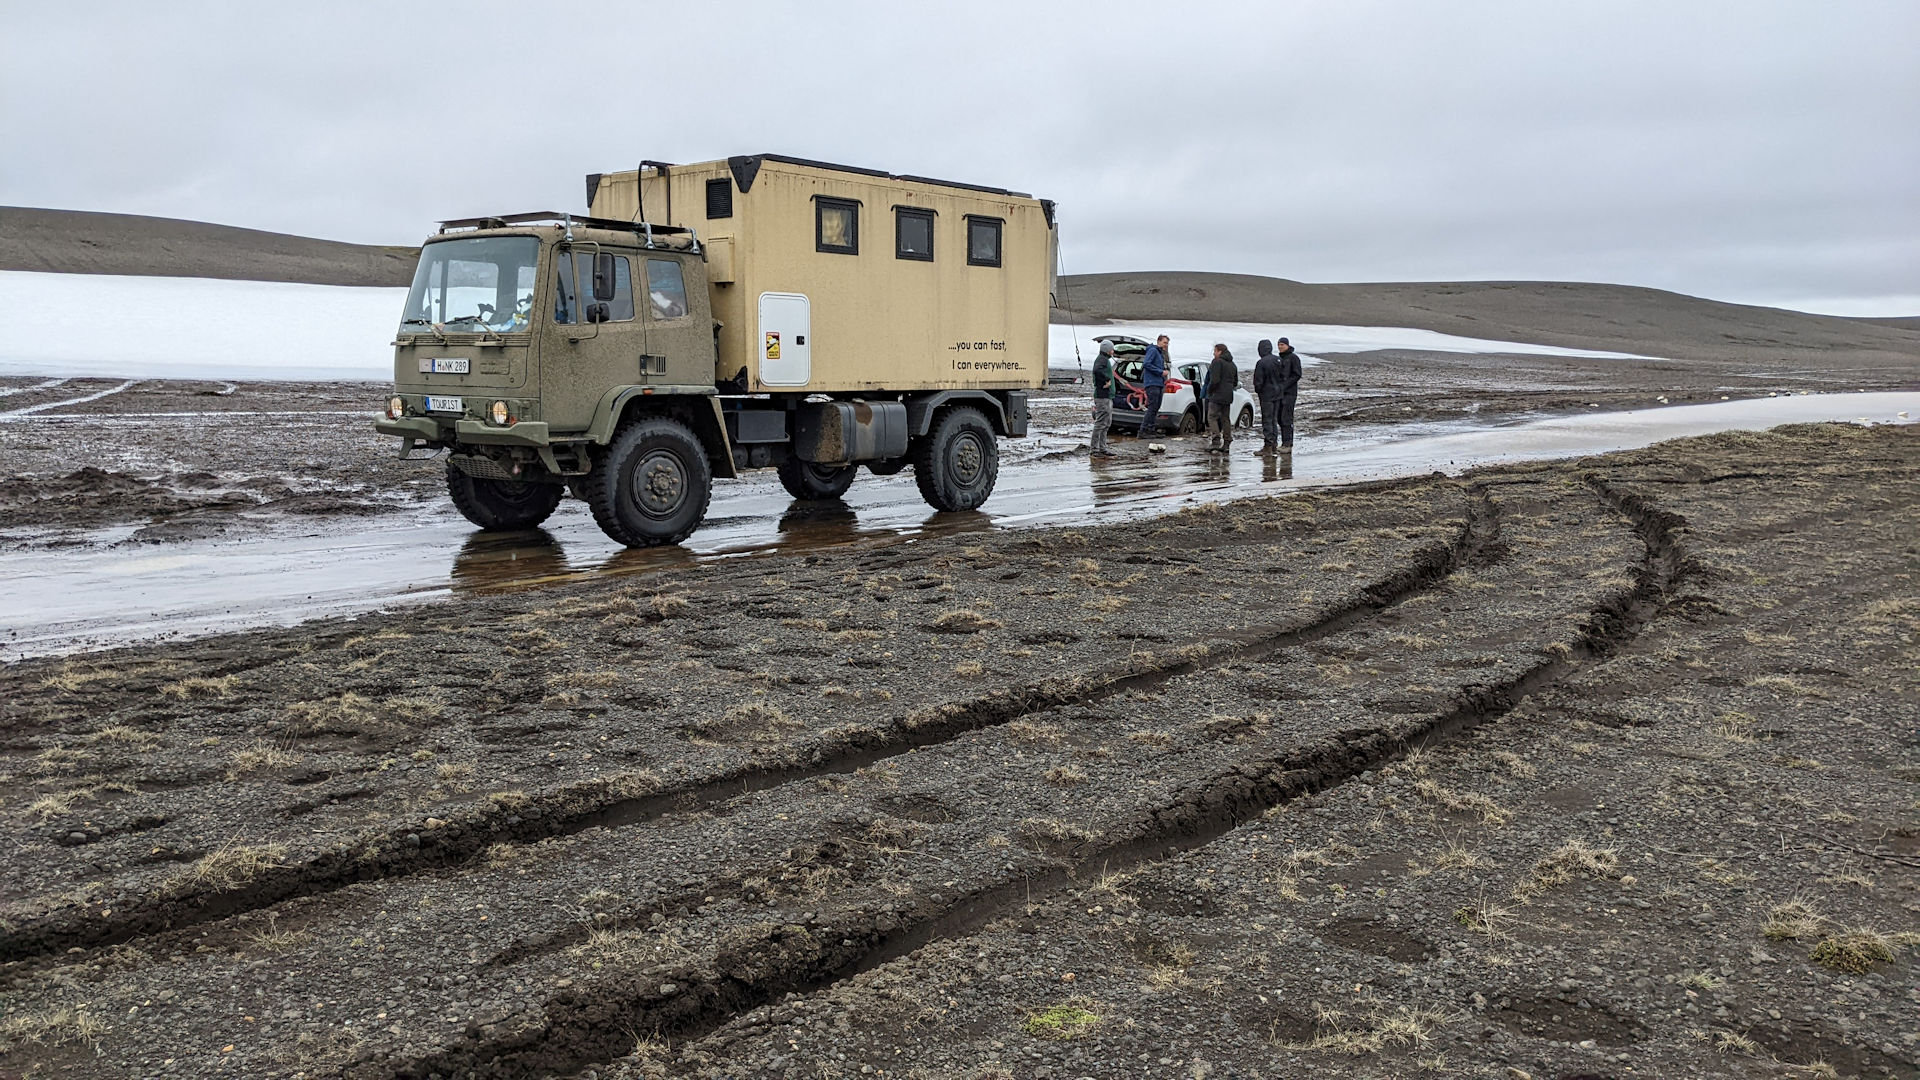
[(1617, 318), (83, 242)]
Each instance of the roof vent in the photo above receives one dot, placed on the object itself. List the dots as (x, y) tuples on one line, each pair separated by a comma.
[(719, 198)]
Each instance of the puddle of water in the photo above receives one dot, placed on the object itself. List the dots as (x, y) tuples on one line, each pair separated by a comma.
[(64, 600)]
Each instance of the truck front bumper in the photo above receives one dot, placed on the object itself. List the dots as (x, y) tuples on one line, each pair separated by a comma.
[(524, 433), (417, 428), (427, 429)]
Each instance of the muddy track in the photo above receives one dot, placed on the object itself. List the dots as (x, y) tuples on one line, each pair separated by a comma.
[(759, 967), (414, 849)]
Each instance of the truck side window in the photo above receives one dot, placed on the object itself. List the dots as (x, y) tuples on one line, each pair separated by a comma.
[(567, 307), (666, 289), (836, 226), (983, 241)]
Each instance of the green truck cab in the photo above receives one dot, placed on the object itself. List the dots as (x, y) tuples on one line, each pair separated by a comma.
[(522, 349)]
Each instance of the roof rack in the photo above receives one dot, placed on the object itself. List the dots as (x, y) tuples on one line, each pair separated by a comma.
[(638, 228)]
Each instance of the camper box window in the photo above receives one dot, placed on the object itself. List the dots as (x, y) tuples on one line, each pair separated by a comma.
[(913, 233), (983, 241), (836, 226)]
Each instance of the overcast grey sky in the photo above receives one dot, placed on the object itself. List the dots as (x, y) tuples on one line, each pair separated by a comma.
[(1750, 150)]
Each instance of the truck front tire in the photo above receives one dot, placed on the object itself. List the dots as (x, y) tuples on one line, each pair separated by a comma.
[(958, 461), (808, 480), (501, 505), (652, 485)]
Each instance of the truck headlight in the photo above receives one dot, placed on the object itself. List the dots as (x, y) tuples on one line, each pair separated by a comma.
[(396, 408), (499, 413)]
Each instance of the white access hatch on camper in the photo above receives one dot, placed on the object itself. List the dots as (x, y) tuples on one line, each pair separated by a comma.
[(786, 354)]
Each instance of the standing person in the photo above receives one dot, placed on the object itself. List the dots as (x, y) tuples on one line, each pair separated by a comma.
[(1222, 377), (1289, 393), (1102, 399), (1268, 372), (1153, 382)]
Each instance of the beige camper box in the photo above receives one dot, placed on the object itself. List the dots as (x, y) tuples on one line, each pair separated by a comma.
[(830, 279)]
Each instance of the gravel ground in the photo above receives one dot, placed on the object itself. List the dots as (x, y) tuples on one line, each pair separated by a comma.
[(1598, 769)]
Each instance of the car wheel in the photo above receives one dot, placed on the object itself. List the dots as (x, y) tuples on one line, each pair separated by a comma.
[(653, 484), (1189, 423), (501, 505), (810, 480), (1245, 419), (957, 462)]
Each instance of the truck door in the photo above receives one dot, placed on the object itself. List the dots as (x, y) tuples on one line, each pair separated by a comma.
[(786, 354), (679, 325), (582, 360)]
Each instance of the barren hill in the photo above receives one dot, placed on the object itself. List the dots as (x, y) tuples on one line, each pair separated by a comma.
[(1570, 314), (82, 242)]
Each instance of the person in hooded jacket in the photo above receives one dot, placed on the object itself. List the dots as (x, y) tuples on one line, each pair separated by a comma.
[(1267, 375), (1276, 382), (1223, 376), (1102, 399), (1153, 383)]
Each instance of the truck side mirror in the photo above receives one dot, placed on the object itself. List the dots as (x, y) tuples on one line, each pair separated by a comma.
[(603, 276), (599, 312)]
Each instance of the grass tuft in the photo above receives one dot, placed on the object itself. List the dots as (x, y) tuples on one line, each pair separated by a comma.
[(1853, 951), (1068, 1021)]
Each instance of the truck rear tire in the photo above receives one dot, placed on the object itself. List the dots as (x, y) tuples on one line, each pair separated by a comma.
[(958, 461), (501, 505), (652, 485), (808, 480)]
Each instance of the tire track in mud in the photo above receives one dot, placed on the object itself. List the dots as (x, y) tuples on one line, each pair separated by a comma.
[(585, 1027), (29, 410), (413, 849)]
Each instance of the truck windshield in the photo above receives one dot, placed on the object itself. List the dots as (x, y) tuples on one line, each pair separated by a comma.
[(477, 283)]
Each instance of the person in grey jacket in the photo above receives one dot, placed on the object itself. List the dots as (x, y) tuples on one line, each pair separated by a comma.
[(1102, 399), (1222, 378)]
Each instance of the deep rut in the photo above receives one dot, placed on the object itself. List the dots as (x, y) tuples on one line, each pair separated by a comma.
[(585, 1028), (410, 849)]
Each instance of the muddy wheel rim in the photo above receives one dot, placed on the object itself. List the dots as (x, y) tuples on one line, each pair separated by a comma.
[(969, 459), (659, 483)]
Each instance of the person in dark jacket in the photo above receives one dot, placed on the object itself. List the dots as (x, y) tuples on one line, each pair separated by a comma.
[(1289, 392), (1153, 382), (1102, 399), (1222, 378), (1267, 376)]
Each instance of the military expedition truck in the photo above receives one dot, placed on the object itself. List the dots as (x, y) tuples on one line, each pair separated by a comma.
[(701, 320)]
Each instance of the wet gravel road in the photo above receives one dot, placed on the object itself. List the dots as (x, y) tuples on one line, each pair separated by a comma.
[(322, 547)]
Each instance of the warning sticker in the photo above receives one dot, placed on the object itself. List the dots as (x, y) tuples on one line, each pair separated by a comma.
[(773, 344)]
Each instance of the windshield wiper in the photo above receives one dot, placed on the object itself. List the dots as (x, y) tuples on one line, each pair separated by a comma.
[(422, 321), (486, 328)]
